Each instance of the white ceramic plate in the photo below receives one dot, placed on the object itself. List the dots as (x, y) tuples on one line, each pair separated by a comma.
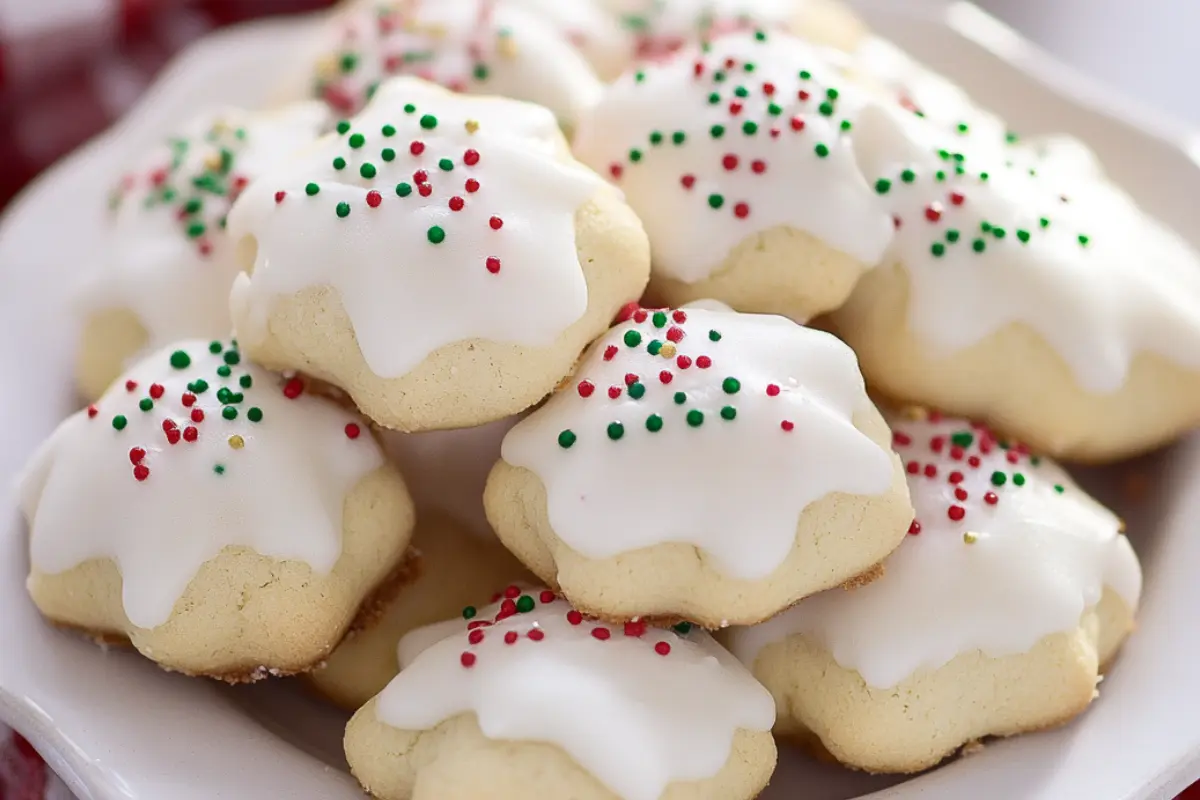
[(117, 728)]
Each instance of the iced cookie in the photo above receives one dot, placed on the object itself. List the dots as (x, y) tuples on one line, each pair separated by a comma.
[(660, 27), (447, 470), (994, 617), (221, 519), (1066, 318), (738, 160), (452, 568), (472, 46), (439, 257), (166, 266), (527, 698), (702, 465)]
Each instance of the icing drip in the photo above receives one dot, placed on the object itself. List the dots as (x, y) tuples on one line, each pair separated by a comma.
[(711, 146), (167, 258), (189, 452), (472, 46), (531, 669), (707, 427), (426, 200), (1005, 550), (986, 245)]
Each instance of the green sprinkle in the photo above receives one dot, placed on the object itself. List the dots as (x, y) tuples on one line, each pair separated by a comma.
[(223, 395), (429, 122), (615, 430), (525, 604), (822, 150), (715, 201), (952, 235), (367, 170), (232, 357), (680, 398), (759, 36), (678, 137), (683, 628), (985, 226), (254, 414), (357, 140), (1044, 222), (480, 72), (938, 249), (311, 189), (196, 230), (637, 391), (1035, 460), (215, 347), (469, 612), (656, 137), (193, 205), (403, 189), (566, 439), (224, 370), (339, 163), (409, 108), (145, 404), (716, 131), (774, 109), (343, 210), (1022, 235), (348, 62), (1011, 137), (229, 412), (1018, 479), (999, 233), (119, 422), (998, 478), (883, 186), (633, 338), (1058, 487), (180, 360), (219, 469), (749, 127), (635, 155), (979, 245), (714, 336), (343, 127), (695, 418), (1084, 239), (962, 439), (742, 91), (805, 75), (386, 130), (639, 76), (846, 125), (728, 412), (654, 348), (731, 385), (445, 165), (654, 423), (963, 127), (659, 319), (908, 176), (198, 387), (388, 154), (826, 109), (714, 98), (435, 235)]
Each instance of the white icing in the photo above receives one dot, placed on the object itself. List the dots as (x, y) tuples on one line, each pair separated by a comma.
[(652, 133), (636, 720), (280, 492), (175, 283), (735, 488), (1039, 558), (660, 27), (446, 471), (591, 28), (1129, 286), (382, 260), (473, 46)]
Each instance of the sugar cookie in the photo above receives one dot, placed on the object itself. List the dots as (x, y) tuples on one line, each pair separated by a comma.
[(701, 465), (219, 518), (166, 265), (472, 46), (429, 200), (453, 568), (527, 698), (710, 147), (1069, 320), (994, 617)]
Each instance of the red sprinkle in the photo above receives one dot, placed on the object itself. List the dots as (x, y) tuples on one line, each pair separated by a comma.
[(471, 185), (456, 203), (729, 162), (610, 352), (933, 212), (937, 444), (930, 470), (188, 399), (279, 196), (374, 198), (169, 425), (136, 454), (475, 636), (679, 316), (662, 648), (787, 425), (901, 439), (585, 389), (130, 385), (772, 390), (635, 628), (293, 388), (912, 467), (574, 617), (630, 379), (614, 392), (641, 315), (416, 148), (173, 436), (797, 123), (156, 390), (197, 415), (974, 461), (914, 528), (420, 176), (957, 198), (960, 493), (190, 434), (990, 498), (956, 513), (758, 166), (683, 362), (492, 264), (467, 659), (674, 334), (93, 411), (665, 376), (510, 637), (547, 596), (688, 181), (615, 170), (741, 210), (141, 472), (496, 223), (512, 592), (352, 430), (537, 634), (601, 633), (955, 477), (424, 189), (703, 362), (471, 158)]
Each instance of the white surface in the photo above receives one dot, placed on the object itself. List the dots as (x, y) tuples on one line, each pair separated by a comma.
[(117, 728)]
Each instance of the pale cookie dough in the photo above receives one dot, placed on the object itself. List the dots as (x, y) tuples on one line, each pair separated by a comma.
[(1068, 319), (527, 698), (452, 569), (478, 47), (440, 257), (222, 520), (447, 470), (739, 162), (702, 465), (660, 27), (166, 265), (994, 617)]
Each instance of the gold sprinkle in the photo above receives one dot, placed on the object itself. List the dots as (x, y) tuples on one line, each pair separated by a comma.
[(667, 351), (915, 413), (327, 67), (507, 47), (1120, 525), (212, 162), (471, 125), (970, 538), (236, 442)]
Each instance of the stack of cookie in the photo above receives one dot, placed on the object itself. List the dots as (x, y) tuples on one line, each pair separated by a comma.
[(591, 361)]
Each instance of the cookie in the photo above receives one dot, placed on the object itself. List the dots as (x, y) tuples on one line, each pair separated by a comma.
[(453, 568), (166, 266), (996, 615), (701, 465), (1070, 320), (430, 200), (221, 519), (447, 470), (709, 147), (527, 698), (472, 46)]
